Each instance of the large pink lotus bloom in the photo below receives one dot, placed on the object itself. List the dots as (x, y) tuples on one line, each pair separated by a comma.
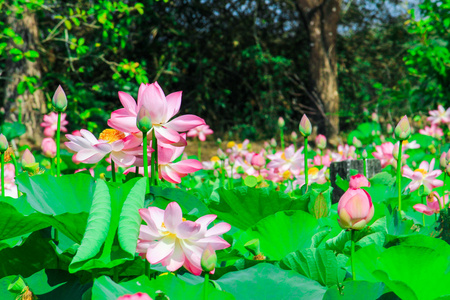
[(439, 116), (174, 242), (289, 160), (51, 123), (48, 147), (434, 203), (90, 150), (137, 296), (161, 108), (201, 131), (424, 175), (355, 209), (174, 171), (433, 131)]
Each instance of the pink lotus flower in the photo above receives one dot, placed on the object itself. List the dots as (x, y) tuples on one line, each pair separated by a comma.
[(434, 201), (48, 147), (357, 181), (433, 131), (424, 175), (439, 116), (173, 172), (355, 209), (174, 242), (345, 152), (10, 186), (321, 141), (289, 160), (51, 124), (161, 108), (314, 175), (384, 154), (90, 150), (257, 160), (238, 150), (137, 296), (324, 160), (201, 131)]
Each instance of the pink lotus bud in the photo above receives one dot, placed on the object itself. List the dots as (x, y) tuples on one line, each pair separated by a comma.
[(29, 162), (221, 154), (281, 122), (389, 129), (294, 136), (374, 117), (3, 143), (305, 126), (321, 141), (137, 296), (273, 143), (144, 120), (266, 145), (209, 259), (232, 160), (403, 130), (59, 100), (355, 209), (364, 154), (357, 143), (443, 162), (258, 161), (357, 181), (448, 156), (48, 147)]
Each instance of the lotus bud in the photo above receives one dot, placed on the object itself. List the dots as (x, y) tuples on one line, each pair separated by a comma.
[(28, 161), (281, 122), (365, 111), (321, 141), (266, 145), (389, 129), (221, 154), (374, 117), (209, 259), (294, 136), (253, 247), (357, 143), (232, 161), (137, 296), (443, 162), (364, 154), (395, 151), (144, 120), (3, 143), (59, 100), (48, 147), (403, 130), (357, 181), (355, 209), (258, 161), (273, 143), (305, 126), (219, 142)]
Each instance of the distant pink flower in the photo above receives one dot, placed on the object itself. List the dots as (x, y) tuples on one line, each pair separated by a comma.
[(384, 154), (345, 152), (314, 176), (91, 171), (173, 172), (439, 116), (433, 206), (289, 160), (433, 131), (238, 149), (9, 177), (174, 242), (424, 175), (90, 150), (48, 147), (161, 108), (201, 131), (137, 296), (51, 123), (324, 160)]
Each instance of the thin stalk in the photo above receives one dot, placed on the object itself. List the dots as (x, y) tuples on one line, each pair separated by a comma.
[(136, 171), (305, 151), (282, 138), (58, 141), (116, 275), (145, 157), (399, 176), (205, 286), (152, 164), (423, 215), (3, 173), (16, 167), (199, 150), (113, 171), (52, 166), (365, 167), (222, 173), (441, 206), (147, 268), (20, 111), (352, 253)]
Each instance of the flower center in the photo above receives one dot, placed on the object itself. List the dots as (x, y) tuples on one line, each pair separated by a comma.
[(286, 174), (111, 135), (215, 158), (421, 171), (283, 156), (231, 144), (313, 171)]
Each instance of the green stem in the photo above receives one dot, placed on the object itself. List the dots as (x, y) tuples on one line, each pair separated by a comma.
[(58, 141), (145, 157), (52, 166), (16, 167), (147, 268), (205, 286), (3, 173), (441, 206), (352, 253), (199, 150), (113, 170), (136, 171), (365, 167), (20, 112), (305, 151), (116, 275), (282, 138), (399, 176), (222, 173)]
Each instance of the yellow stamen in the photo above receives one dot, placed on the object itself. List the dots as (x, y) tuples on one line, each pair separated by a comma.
[(286, 174), (240, 146), (283, 156), (111, 135), (8, 154), (313, 171), (421, 171), (405, 142), (231, 144), (215, 159)]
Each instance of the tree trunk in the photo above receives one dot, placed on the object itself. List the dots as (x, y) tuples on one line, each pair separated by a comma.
[(33, 105), (321, 18)]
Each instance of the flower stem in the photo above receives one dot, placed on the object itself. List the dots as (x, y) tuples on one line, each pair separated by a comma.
[(199, 150), (113, 170), (3, 173), (305, 151), (145, 157), (365, 167), (441, 205), (147, 268), (205, 286), (58, 146), (222, 173), (116, 275), (352, 253), (399, 176), (282, 138)]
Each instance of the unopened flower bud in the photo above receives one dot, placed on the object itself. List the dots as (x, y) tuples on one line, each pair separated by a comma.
[(443, 162), (403, 130), (3, 143), (357, 143), (273, 143), (221, 154), (374, 117), (209, 259), (59, 100), (281, 122), (294, 136), (321, 141), (305, 126), (28, 161), (364, 154), (389, 129), (219, 141), (253, 247), (144, 120)]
